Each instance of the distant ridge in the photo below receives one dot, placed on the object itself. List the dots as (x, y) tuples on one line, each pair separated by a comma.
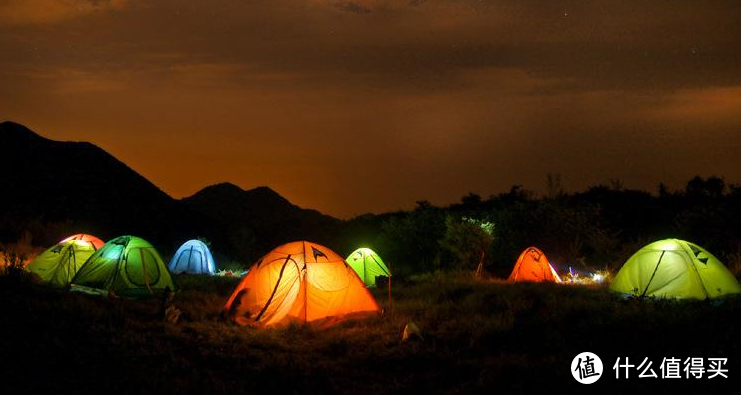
[(259, 218), (52, 188)]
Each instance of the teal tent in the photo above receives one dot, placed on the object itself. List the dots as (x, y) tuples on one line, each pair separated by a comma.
[(59, 264)]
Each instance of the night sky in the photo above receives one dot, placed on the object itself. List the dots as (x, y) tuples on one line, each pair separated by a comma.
[(366, 106)]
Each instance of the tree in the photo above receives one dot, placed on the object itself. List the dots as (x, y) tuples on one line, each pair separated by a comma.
[(471, 200), (663, 190), (411, 240), (553, 183), (423, 205), (712, 187), (616, 184), (467, 241)]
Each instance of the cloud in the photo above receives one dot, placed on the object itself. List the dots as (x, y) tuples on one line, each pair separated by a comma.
[(350, 6), (456, 88), (20, 12), (702, 106)]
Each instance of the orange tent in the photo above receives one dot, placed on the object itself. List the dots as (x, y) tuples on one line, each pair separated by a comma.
[(299, 282), (532, 265), (96, 242)]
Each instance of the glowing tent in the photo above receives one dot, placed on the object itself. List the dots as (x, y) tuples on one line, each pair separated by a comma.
[(299, 282), (98, 243), (532, 265), (368, 265), (675, 268), (193, 257), (59, 264), (126, 265)]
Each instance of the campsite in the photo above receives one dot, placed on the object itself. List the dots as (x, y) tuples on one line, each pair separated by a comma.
[(370, 197), (477, 336), (475, 296)]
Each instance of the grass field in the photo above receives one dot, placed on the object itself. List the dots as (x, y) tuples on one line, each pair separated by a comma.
[(478, 336)]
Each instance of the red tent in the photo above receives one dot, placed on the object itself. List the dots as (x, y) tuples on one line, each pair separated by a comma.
[(532, 265), (96, 242)]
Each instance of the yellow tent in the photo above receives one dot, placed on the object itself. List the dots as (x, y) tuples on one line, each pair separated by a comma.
[(59, 264), (675, 268)]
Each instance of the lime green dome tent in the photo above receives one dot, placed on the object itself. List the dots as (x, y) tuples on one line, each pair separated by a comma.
[(368, 265), (59, 264), (675, 268), (126, 265)]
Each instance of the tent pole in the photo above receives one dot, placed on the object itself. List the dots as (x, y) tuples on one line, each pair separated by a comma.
[(270, 299), (481, 264), (190, 256), (391, 302), (145, 270)]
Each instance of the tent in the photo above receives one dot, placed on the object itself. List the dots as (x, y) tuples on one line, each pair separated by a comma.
[(368, 265), (675, 268), (299, 282), (193, 257), (98, 243), (532, 265), (126, 265), (59, 264)]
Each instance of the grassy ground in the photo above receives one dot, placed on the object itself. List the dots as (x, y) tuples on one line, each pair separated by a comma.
[(478, 336)]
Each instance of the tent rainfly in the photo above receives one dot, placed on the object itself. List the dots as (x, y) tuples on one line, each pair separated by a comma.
[(126, 265), (299, 282), (674, 268), (59, 264), (98, 243), (368, 265), (533, 265), (193, 257)]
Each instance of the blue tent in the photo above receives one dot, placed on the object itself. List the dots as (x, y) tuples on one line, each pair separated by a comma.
[(193, 257)]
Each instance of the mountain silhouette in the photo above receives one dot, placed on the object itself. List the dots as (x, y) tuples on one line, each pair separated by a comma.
[(54, 188), (258, 219)]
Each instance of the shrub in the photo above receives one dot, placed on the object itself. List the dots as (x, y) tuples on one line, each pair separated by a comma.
[(467, 241)]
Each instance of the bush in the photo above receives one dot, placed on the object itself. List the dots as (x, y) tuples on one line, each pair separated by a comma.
[(12, 263), (467, 242), (411, 241)]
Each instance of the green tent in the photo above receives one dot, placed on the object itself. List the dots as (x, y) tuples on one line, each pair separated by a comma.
[(126, 265), (368, 265), (59, 264), (675, 269)]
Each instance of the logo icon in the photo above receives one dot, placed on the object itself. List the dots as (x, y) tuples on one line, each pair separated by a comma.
[(586, 368)]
